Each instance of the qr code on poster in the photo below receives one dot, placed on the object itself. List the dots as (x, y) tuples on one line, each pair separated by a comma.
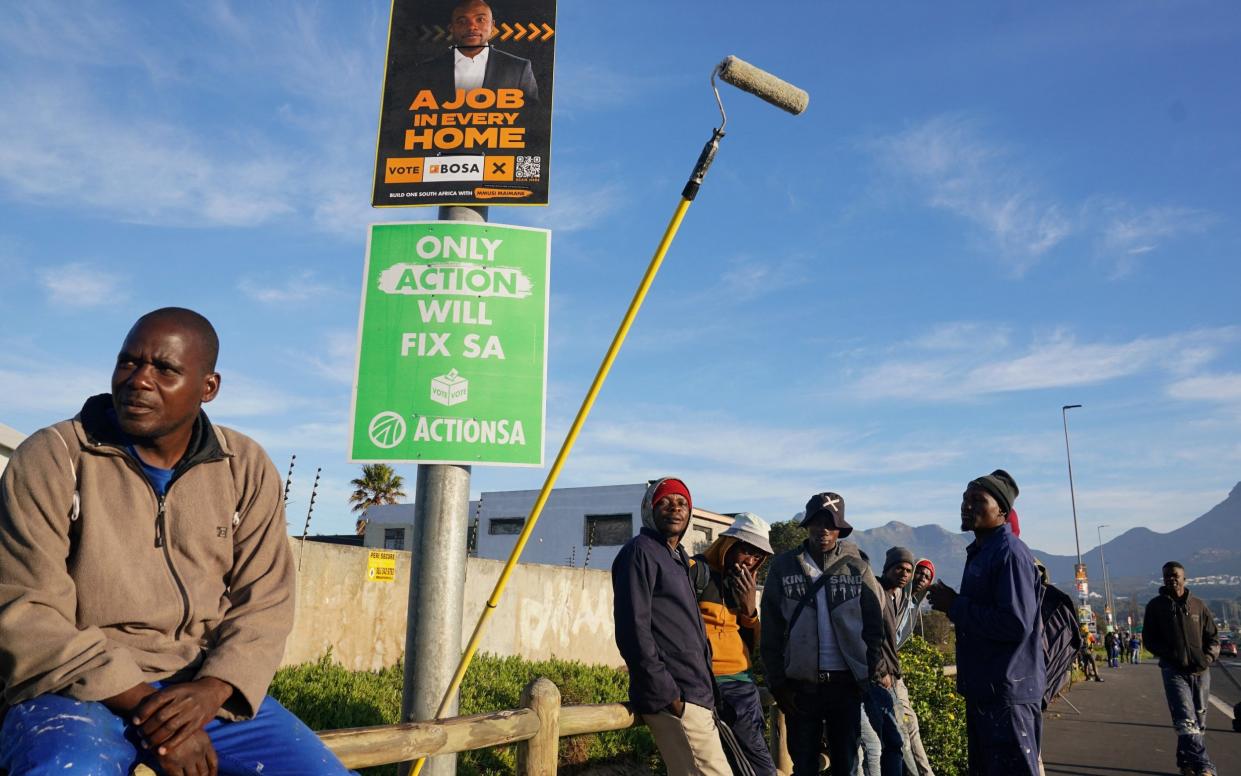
[(529, 167)]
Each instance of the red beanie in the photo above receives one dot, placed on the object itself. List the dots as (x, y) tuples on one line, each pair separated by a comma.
[(929, 566), (669, 487), (1012, 522)]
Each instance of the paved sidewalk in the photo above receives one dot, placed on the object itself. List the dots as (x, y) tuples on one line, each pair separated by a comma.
[(1124, 729)]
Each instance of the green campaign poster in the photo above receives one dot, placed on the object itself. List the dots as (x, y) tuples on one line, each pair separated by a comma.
[(452, 344)]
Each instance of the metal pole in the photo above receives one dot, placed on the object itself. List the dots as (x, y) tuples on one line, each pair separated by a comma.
[(1064, 414), (1107, 588), (437, 579)]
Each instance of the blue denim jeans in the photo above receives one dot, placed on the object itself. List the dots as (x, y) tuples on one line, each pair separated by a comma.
[(52, 734), (1187, 700), (879, 705)]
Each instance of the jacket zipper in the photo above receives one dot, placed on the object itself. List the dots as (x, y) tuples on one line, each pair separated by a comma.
[(161, 529)]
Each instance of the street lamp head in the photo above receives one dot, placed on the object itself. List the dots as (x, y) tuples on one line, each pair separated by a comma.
[(1070, 407)]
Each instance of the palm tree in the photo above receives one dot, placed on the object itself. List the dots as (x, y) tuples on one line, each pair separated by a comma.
[(379, 484)]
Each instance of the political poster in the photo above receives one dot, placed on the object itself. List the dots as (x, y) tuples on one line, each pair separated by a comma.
[(452, 358), (466, 114)]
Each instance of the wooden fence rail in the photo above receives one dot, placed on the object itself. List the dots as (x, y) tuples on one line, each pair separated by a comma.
[(536, 728)]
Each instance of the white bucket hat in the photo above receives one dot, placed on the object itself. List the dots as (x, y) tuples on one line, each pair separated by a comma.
[(751, 529)]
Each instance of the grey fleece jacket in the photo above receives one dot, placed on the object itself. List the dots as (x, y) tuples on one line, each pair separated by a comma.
[(854, 602)]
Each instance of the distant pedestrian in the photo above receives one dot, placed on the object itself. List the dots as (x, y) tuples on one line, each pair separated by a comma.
[(1090, 669), (660, 635), (1000, 669), (1179, 629), (1135, 649), (822, 634), (725, 581), (1111, 646)]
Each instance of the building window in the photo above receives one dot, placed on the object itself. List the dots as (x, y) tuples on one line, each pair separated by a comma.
[(394, 538), (505, 526), (608, 530), (700, 538)]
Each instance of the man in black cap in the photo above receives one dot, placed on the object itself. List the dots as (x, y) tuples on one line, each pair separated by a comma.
[(1000, 669), (822, 640)]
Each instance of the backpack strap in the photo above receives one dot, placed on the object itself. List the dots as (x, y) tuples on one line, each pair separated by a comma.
[(699, 575), (806, 599)]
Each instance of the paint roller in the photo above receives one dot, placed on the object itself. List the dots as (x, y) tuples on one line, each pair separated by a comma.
[(748, 78), (757, 82)]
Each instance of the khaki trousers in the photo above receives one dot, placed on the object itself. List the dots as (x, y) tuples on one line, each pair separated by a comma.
[(689, 745)]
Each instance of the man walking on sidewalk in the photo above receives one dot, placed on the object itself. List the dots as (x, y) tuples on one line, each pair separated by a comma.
[(1180, 630)]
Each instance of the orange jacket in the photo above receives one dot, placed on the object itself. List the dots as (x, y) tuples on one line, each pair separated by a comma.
[(732, 635)]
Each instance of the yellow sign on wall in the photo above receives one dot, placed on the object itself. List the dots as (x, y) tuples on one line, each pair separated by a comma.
[(381, 566)]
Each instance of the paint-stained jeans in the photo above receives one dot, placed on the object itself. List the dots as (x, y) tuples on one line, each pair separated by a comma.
[(53, 734), (1003, 739), (1187, 700)]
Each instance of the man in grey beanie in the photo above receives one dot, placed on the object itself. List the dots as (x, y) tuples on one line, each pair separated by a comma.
[(898, 605)]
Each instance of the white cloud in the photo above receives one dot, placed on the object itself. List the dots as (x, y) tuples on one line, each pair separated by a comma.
[(79, 285), (960, 171), (58, 388), (243, 397), (1224, 388), (137, 169), (285, 289), (337, 361), (955, 167), (1059, 360), (1127, 233)]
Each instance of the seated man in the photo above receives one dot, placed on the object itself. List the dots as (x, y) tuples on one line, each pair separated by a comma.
[(146, 582)]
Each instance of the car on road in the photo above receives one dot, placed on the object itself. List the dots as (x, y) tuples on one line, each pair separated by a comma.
[(1227, 647)]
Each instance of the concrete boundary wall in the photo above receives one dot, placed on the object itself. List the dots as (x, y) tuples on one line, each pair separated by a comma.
[(547, 611)]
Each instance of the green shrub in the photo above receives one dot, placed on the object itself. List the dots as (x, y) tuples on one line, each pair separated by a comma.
[(327, 696), (941, 712)]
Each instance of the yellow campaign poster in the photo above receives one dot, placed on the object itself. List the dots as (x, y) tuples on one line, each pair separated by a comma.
[(381, 566), (467, 104)]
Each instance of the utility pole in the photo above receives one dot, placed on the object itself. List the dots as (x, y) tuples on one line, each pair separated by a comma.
[(1080, 571), (437, 579), (1107, 587)]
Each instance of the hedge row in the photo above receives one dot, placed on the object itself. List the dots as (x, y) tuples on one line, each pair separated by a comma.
[(327, 696)]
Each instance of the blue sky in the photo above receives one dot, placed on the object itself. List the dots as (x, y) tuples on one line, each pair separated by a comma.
[(988, 211)]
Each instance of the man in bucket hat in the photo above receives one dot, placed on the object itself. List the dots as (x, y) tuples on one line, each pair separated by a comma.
[(660, 636), (726, 582), (822, 638)]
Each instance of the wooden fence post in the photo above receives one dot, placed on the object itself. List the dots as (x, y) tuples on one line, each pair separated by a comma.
[(779, 742), (539, 755)]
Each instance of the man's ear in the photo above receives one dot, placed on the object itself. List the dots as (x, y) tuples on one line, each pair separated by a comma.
[(211, 386)]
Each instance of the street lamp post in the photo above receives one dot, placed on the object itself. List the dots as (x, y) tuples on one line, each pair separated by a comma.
[(1079, 572), (1107, 587)]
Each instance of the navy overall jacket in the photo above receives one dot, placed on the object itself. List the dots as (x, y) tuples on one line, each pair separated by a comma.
[(999, 630)]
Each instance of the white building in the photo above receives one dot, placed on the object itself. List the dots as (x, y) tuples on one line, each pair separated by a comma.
[(10, 438), (581, 527)]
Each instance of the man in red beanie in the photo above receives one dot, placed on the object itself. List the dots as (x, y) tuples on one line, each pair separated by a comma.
[(660, 635)]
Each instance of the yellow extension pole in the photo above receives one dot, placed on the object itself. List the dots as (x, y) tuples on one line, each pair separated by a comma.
[(587, 403)]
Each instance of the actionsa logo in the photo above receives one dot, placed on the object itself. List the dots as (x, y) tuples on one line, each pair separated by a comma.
[(387, 430)]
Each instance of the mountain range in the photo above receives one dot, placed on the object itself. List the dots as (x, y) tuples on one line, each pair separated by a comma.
[(1209, 547)]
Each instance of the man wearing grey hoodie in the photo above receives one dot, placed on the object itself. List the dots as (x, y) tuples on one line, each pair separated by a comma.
[(660, 636), (822, 639)]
